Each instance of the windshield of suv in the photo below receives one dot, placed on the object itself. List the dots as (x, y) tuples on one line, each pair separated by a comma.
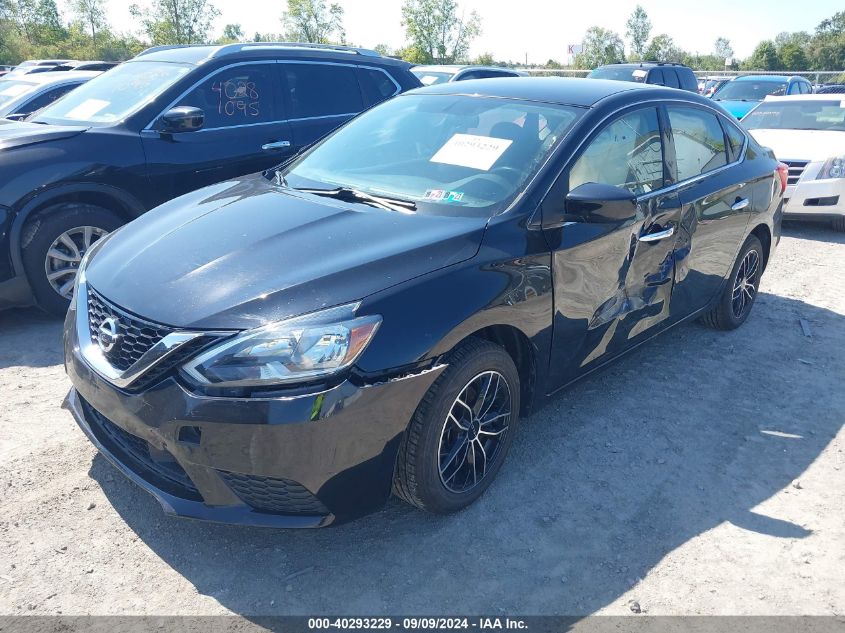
[(451, 155), (797, 115), (11, 89), (619, 74), (749, 90), (115, 94)]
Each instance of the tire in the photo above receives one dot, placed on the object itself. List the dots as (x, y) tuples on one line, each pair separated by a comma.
[(420, 478), (726, 313), (43, 231), (839, 224)]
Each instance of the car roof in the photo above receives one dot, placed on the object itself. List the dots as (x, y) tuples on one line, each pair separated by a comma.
[(810, 97), (766, 78), (61, 76), (454, 68), (200, 54), (560, 90), (651, 64)]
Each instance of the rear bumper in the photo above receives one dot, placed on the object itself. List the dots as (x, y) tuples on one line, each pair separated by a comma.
[(307, 460)]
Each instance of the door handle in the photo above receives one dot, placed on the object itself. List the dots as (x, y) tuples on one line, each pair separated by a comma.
[(275, 145), (658, 235), (740, 204)]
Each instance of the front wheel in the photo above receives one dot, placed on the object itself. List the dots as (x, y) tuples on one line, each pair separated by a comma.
[(462, 430), (54, 243), (737, 298)]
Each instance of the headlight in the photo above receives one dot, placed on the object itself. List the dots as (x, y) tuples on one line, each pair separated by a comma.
[(833, 168), (312, 346)]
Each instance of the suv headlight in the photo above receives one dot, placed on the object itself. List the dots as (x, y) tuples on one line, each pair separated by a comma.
[(833, 168), (295, 350)]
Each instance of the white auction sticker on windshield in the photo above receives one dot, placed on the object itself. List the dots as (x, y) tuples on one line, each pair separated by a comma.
[(469, 150), (87, 109)]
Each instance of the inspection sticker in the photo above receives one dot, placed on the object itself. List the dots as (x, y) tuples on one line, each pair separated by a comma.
[(441, 195), (469, 150)]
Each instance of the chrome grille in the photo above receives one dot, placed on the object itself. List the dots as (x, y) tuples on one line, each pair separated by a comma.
[(796, 168), (136, 335)]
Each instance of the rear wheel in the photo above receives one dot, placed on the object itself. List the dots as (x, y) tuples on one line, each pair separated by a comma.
[(462, 430), (737, 298), (54, 243)]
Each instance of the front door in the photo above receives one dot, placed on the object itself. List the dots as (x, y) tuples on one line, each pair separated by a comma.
[(613, 281), (242, 116)]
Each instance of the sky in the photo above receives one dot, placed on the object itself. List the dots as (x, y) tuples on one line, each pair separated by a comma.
[(543, 29)]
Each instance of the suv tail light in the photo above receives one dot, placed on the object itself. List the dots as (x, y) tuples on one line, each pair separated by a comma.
[(783, 173)]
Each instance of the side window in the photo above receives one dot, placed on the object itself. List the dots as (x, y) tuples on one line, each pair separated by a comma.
[(239, 95), (627, 153), (670, 78), (656, 77), (473, 74), (806, 88), (44, 100), (315, 90), (376, 85), (699, 141), (735, 139)]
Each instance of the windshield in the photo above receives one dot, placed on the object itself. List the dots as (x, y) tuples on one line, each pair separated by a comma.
[(430, 78), (619, 74), (451, 155), (749, 90), (11, 89), (115, 94), (797, 115)]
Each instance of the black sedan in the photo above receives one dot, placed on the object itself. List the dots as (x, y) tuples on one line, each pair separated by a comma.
[(375, 316)]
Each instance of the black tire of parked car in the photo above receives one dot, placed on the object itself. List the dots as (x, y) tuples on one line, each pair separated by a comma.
[(418, 479), (839, 224), (722, 315), (38, 236)]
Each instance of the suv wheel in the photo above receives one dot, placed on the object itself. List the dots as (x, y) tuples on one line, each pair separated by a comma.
[(462, 430), (54, 243)]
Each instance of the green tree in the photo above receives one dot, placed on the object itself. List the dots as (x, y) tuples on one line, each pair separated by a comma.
[(723, 49), (601, 46), (485, 59), (764, 57), (826, 49), (384, 50), (92, 13), (313, 21), (232, 33), (177, 21), (553, 64), (638, 30), (437, 31), (792, 57), (663, 49)]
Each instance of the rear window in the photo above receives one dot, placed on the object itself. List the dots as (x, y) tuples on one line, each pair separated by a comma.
[(749, 90), (619, 74)]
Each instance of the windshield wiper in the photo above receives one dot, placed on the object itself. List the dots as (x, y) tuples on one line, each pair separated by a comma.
[(356, 195)]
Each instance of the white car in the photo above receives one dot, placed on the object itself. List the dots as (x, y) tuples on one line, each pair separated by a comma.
[(22, 95), (807, 132)]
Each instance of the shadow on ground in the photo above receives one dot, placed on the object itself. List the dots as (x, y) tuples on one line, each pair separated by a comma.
[(30, 338), (693, 430)]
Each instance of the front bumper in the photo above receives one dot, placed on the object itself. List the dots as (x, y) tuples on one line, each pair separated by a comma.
[(814, 198), (307, 460)]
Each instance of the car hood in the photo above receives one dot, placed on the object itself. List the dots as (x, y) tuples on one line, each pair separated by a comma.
[(737, 108), (802, 144), (244, 253), (17, 133)]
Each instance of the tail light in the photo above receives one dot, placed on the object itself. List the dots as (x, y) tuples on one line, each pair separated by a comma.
[(783, 173)]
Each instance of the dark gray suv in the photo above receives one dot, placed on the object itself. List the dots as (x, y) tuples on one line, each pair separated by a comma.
[(668, 74)]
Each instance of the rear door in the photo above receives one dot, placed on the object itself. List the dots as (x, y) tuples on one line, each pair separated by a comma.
[(320, 96), (716, 204), (613, 281), (242, 116)]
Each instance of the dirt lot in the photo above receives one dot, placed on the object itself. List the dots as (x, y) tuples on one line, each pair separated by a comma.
[(703, 474)]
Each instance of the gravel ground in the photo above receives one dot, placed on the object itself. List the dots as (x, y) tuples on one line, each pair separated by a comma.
[(703, 474)]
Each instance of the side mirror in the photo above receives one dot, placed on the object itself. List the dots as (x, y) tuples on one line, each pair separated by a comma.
[(601, 204), (181, 119)]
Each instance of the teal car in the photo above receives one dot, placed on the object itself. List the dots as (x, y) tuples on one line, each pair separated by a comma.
[(740, 95)]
